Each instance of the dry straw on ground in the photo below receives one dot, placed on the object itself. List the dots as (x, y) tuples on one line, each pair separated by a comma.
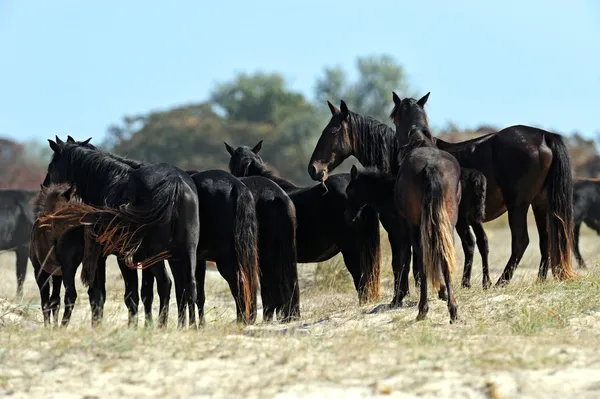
[(526, 340)]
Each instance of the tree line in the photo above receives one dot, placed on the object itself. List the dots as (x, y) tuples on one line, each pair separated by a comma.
[(254, 107)]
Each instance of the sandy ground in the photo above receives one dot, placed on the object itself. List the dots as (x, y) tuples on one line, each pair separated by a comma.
[(526, 340)]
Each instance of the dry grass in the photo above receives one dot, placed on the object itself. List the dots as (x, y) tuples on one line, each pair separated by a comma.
[(526, 340)]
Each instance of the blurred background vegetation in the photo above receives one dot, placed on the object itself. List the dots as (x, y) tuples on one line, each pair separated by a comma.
[(253, 107)]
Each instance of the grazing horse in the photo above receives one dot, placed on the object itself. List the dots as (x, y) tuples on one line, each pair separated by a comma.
[(371, 186), (155, 205), (586, 208), (427, 195), (323, 230), (523, 166), (229, 237), (16, 220)]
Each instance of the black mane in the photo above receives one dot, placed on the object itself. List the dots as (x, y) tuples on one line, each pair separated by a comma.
[(374, 142), (252, 166)]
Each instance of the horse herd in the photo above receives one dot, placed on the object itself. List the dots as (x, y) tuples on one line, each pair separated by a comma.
[(256, 226)]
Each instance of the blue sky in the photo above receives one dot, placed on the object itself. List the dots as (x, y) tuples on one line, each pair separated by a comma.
[(74, 67)]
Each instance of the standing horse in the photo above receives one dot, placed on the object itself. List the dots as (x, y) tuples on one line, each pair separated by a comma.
[(276, 216), (586, 208), (16, 220), (523, 166), (52, 256), (323, 230), (229, 237), (427, 194), (161, 210), (371, 186)]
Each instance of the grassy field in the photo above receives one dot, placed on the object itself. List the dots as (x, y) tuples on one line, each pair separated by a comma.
[(526, 340)]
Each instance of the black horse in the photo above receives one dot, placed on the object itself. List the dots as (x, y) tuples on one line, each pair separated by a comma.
[(155, 205), (376, 188), (586, 208), (276, 216), (523, 166), (323, 230), (16, 221), (229, 237)]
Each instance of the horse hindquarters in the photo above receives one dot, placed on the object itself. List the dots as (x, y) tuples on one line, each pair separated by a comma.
[(436, 237)]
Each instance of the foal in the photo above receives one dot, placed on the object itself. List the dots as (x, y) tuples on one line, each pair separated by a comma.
[(427, 194)]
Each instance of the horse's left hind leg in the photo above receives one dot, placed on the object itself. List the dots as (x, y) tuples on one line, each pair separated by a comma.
[(55, 298), (147, 293), (415, 236), (540, 211)]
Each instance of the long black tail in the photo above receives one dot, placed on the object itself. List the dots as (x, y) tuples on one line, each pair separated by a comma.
[(370, 253), (245, 231), (560, 208)]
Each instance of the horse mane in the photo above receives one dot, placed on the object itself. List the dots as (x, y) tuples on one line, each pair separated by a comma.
[(374, 142), (48, 198), (254, 167), (374, 173), (85, 164)]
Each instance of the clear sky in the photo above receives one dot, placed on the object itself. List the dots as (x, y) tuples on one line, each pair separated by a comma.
[(74, 67)]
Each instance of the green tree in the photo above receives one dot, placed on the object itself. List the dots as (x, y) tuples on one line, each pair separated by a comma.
[(371, 92)]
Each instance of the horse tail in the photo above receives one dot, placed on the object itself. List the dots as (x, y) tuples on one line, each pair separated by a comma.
[(436, 229), (474, 185), (560, 208), (245, 232), (370, 253), (92, 252)]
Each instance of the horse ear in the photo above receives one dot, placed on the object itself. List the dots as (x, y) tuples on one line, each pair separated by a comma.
[(334, 110), (257, 147), (344, 109), (229, 148), (70, 140), (397, 100), (86, 142), (353, 173), (69, 192), (59, 141), (423, 100), (55, 147)]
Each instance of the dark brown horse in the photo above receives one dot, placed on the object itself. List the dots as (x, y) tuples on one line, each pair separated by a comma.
[(427, 195), (523, 166)]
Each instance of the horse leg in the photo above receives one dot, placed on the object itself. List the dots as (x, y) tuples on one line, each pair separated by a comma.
[(22, 254), (41, 278), (517, 220), (163, 287), (468, 244), (55, 298), (180, 284), (482, 245), (69, 270), (576, 230), (540, 211), (352, 260), (97, 293), (226, 265), (415, 238), (401, 250), (131, 295), (201, 294), (147, 294)]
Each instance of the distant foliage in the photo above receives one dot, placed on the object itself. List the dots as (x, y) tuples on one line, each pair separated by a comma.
[(20, 169)]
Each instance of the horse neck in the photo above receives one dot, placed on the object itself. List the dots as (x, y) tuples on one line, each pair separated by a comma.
[(257, 169), (374, 144), (381, 192), (98, 185)]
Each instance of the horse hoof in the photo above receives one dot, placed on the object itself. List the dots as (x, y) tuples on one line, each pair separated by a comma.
[(380, 308), (443, 295), (487, 284), (421, 316), (466, 284)]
